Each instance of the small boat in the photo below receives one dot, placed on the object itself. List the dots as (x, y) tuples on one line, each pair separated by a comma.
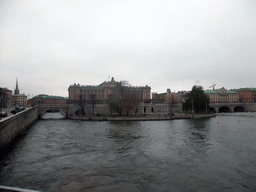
[(197, 117)]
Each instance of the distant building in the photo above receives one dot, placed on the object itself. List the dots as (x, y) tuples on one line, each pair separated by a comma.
[(43, 99), (103, 91), (179, 97), (222, 95), (163, 97), (159, 97), (5, 98), (17, 98), (247, 95)]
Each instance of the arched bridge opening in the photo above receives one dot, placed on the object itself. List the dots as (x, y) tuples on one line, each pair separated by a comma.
[(80, 112), (224, 109), (42, 109), (238, 109), (52, 111), (212, 110)]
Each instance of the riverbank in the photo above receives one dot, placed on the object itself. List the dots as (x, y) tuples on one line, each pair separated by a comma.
[(142, 118), (11, 127)]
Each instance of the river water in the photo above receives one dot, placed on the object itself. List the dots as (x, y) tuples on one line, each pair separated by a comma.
[(214, 154)]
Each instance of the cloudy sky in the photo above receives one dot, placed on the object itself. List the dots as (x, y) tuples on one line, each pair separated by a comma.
[(51, 44)]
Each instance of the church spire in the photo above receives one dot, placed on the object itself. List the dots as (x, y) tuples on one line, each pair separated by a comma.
[(17, 91)]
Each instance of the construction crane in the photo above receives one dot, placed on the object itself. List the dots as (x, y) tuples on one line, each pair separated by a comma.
[(213, 85)]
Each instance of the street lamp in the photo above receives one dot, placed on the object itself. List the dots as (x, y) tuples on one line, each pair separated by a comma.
[(93, 96), (1, 97)]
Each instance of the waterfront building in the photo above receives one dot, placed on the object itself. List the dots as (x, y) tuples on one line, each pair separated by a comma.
[(5, 98), (222, 95), (179, 97), (163, 97), (102, 92), (43, 99), (158, 97), (247, 95), (17, 98)]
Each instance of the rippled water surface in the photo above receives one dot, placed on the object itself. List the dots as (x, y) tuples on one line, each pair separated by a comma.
[(215, 154)]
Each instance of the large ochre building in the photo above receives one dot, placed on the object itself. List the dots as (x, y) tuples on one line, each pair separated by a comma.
[(222, 95), (103, 91), (247, 95)]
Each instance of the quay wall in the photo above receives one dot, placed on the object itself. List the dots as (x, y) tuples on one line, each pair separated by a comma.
[(250, 107), (156, 109), (143, 118), (11, 127)]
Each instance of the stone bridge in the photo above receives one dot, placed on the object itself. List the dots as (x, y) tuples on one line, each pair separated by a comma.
[(150, 108), (42, 109), (65, 109), (232, 107)]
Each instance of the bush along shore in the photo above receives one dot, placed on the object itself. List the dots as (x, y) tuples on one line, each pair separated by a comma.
[(142, 118)]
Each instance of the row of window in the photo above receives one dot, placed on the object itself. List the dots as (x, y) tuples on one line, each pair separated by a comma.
[(100, 94)]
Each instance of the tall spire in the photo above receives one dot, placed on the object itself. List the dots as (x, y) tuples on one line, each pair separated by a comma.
[(17, 91)]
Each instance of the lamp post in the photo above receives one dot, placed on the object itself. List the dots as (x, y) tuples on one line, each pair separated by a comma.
[(1, 104), (93, 96), (192, 106), (1, 96)]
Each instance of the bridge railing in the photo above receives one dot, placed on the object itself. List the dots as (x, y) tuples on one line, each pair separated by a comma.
[(53, 105), (231, 103)]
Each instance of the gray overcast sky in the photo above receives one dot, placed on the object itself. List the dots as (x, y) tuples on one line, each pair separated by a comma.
[(51, 44)]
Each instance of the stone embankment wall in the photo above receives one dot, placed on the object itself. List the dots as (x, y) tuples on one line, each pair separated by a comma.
[(156, 109), (12, 126), (142, 118), (250, 107)]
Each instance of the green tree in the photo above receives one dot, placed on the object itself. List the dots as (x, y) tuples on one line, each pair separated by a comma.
[(115, 105), (123, 98), (196, 101), (130, 101), (82, 103)]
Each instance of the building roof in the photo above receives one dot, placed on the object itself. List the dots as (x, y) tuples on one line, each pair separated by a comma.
[(181, 92), (19, 95), (43, 96), (216, 92), (210, 91), (3, 90), (246, 89), (109, 84), (155, 93)]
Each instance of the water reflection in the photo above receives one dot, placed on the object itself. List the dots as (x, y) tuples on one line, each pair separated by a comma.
[(124, 131), (198, 138), (53, 115), (198, 130)]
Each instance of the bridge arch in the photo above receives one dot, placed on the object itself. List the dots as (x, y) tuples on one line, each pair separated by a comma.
[(224, 109), (53, 111), (42, 109), (212, 110), (80, 112), (238, 109)]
